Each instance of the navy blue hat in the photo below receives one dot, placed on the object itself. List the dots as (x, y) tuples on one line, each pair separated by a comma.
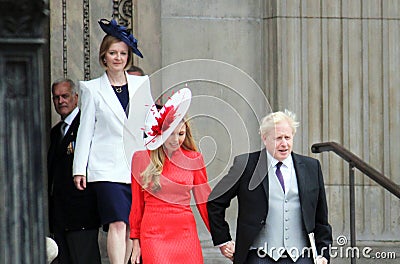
[(112, 28)]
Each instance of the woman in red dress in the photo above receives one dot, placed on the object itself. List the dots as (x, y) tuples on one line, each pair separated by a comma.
[(162, 223)]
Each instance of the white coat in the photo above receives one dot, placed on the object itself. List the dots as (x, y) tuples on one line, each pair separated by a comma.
[(106, 138)]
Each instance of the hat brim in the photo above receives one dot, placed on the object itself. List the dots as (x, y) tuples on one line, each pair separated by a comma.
[(113, 29), (181, 101)]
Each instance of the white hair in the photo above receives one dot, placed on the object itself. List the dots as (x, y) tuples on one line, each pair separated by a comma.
[(269, 122)]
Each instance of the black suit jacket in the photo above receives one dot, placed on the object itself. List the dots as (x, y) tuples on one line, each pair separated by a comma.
[(247, 180), (69, 208)]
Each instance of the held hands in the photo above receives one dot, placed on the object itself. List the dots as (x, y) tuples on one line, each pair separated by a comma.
[(136, 253), (80, 182), (321, 260), (228, 250)]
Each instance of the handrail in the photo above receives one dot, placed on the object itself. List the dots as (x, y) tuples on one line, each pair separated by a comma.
[(354, 160)]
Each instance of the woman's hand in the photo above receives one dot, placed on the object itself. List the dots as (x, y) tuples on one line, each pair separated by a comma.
[(136, 253), (80, 182)]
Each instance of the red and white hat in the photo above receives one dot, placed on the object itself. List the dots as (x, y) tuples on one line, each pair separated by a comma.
[(160, 124)]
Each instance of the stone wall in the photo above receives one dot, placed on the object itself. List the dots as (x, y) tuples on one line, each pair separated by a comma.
[(337, 66), (334, 63)]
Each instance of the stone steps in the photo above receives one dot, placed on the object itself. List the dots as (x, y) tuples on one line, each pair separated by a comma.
[(381, 253), (392, 254)]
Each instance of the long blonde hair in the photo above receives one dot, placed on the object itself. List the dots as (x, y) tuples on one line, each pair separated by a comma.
[(151, 175)]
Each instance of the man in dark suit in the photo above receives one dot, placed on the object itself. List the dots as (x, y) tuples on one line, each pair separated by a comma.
[(73, 217), (135, 70), (282, 208)]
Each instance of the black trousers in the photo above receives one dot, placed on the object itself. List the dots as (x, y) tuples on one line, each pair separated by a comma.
[(78, 247), (254, 258)]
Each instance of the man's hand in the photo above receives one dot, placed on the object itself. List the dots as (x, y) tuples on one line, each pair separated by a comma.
[(80, 182), (228, 250), (321, 260)]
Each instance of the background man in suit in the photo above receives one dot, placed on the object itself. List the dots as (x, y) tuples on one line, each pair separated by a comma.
[(73, 216), (281, 199), (135, 70)]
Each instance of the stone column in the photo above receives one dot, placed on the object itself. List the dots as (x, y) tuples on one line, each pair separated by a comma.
[(336, 64), (22, 130)]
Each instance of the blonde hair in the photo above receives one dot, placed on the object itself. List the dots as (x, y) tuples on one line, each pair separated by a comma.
[(269, 122), (151, 175), (105, 45)]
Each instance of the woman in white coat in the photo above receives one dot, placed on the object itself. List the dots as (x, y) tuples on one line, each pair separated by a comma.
[(113, 108)]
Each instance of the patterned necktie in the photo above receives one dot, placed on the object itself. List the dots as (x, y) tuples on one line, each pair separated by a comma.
[(279, 175)]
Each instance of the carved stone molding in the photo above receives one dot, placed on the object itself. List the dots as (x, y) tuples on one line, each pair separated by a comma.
[(64, 26), (122, 12), (86, 40)]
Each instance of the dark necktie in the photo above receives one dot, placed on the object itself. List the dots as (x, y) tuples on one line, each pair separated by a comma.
[(62, 130), (279, 175)]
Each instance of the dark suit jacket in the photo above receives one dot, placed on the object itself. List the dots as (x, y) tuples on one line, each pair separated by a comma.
[(247, 180), (69, 208)]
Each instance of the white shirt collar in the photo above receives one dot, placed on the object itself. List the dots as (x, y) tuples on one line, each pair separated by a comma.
[(288, 162), (71, 116)]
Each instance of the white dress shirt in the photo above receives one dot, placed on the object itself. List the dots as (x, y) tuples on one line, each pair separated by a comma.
[(68, 120), (287, 169)]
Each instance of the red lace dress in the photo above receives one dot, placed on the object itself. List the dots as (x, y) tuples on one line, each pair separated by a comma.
[(163, 221)]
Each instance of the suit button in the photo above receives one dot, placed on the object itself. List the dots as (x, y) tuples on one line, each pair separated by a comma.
[(262, 222)]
